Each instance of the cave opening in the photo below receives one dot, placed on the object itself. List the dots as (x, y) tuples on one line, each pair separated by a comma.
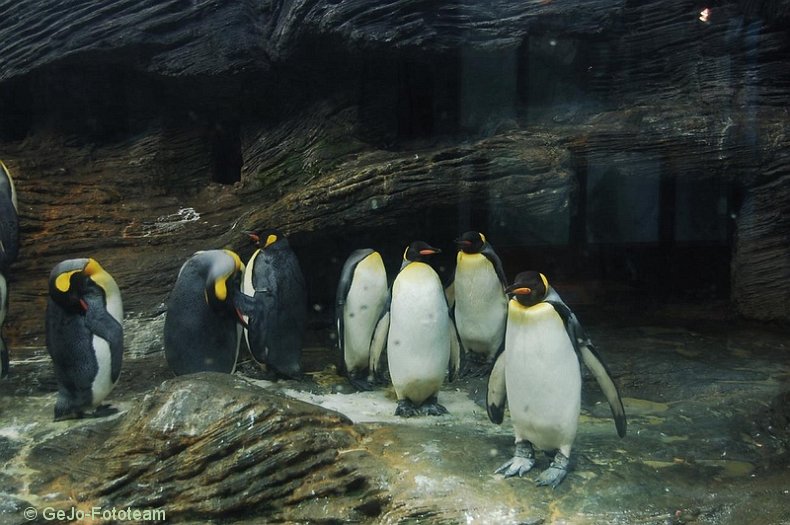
[(225, 149)]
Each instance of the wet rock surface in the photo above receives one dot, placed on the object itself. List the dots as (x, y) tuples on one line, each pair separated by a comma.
[(700, 393)]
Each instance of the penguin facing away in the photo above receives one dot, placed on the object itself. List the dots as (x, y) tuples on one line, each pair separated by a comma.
[(421, 341), (538, 375), (84, 336), (4, 358), (361, 300), (480, 308), (204, 314), (273, 276), (9, 219)]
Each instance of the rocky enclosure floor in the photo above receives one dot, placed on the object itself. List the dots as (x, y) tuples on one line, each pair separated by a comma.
[(707, 437)]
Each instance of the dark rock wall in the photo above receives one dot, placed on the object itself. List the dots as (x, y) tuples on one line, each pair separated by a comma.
[(621, 139)]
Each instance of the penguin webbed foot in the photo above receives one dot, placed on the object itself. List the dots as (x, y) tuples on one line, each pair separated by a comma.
[(553, 476), (104, 411), (406, 409), (516, 466), (360, 384), (431, 407), (476, 366), (66, 416), (522, 461)]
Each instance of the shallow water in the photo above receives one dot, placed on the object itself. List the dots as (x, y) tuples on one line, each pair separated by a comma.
[(700, 446)]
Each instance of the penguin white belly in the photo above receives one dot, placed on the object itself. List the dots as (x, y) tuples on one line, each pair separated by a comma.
[(102, 384), (3, 299), (480, 304), (249, 289), (364, 304), (418, 345), (542, 377)]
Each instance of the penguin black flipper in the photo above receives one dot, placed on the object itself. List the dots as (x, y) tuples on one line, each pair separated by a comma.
[(104, 325), (455, 352), (497, 392), (592, 360), (251, 306), (379, 342), (599, 369), (343, 286), (491, 255)]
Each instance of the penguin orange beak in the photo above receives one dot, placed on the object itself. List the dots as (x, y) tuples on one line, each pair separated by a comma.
[(241, 318), (431, 251), (523, 290), (254, 237)]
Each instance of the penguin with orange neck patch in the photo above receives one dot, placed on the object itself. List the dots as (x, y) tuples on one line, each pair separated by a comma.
[(480, 307), (360, 305), (421, 342), (84, 336), (538, 375), (273, 276), (204, 314), (9, 219), (9, 248)]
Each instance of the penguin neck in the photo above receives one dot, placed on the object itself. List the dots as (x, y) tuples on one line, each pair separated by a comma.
[(471, 258), (532, 309), (407, 262)]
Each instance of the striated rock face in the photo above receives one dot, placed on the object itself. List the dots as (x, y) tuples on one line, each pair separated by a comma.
[(607, 140), (211, 446)]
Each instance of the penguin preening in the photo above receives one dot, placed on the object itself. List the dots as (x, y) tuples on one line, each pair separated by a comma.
[(84, 335), (361, 301), (9, 220), (480, 308), (273, 276), (538, 375), (421, 340), (205, 313)]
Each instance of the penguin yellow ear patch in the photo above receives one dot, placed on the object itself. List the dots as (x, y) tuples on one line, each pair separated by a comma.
[(63, 281), (92, 268), (482, 237), (220, 289), (271, 239), (545, 281)]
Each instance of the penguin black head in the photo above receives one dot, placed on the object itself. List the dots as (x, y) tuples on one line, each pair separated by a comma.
[(71, 280), (471, 242), (418, 251), (529, 288), (265, 238)]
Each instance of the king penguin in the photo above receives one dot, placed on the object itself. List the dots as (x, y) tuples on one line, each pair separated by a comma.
[(538, 374), (4, 359), (480, 309), (9, 220), (273, 276), (205, 313), (9, 248), (361, 300), (421, 341), (84, 335)]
